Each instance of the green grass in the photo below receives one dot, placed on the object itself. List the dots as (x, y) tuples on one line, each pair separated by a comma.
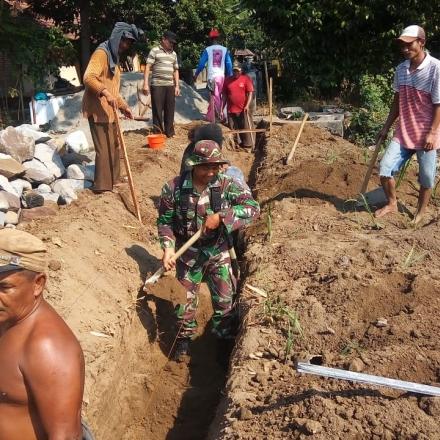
[(414, 256), (403, 172), (350, 347), (376, 225), (331, 157), (276, 311)]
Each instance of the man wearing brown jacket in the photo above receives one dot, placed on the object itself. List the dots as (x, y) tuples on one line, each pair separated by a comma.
[(102, 82)]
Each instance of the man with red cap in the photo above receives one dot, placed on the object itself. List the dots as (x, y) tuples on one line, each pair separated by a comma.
[(416, 104), (218, 59)]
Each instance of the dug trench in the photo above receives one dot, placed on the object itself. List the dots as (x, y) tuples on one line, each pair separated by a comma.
[(100, 257), (330, 275)]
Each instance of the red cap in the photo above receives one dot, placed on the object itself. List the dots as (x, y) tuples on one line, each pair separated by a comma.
[(214, 33)]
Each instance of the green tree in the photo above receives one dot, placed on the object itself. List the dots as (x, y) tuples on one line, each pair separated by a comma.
[(93, 20), (324, 44), (33, 50)]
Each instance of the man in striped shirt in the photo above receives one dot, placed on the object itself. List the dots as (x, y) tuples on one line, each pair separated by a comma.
[(162, 61), (417, 105)]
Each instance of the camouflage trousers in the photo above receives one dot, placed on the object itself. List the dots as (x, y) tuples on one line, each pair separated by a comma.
[(217, 273)]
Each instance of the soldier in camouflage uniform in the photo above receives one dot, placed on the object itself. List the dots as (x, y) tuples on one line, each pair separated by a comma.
[(208, 260)]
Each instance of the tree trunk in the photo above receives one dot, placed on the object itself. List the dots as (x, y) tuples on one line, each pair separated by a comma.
[(85, 34)]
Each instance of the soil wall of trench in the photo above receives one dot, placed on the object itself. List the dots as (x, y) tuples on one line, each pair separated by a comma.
[(100, 256), (340, 289)]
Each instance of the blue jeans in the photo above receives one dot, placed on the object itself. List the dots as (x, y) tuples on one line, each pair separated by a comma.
[(396, 155)]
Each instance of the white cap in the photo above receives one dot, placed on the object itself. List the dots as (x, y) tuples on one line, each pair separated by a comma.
[(411, 33)]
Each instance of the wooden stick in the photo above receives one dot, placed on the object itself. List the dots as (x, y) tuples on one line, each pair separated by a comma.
[(301, 128), (127, 166), (245, 130), (250, 128), (267, 80), (270, 105), (371, 166)]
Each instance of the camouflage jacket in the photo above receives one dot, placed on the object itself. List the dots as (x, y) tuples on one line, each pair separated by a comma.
[(238, 208)]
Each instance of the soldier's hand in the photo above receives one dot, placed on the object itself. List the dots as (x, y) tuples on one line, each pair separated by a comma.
[(212, 222), (167, 259)]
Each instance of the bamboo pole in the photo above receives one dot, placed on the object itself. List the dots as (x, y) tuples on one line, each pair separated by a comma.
[(127, 166), (270, 105), (245, 130), (250, 128), (301, 128), (267, 80)]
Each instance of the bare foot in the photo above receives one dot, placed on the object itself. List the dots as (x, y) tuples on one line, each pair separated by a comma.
[(387, 209), (416, 221)]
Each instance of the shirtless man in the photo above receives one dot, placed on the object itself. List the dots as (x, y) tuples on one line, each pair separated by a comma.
[(41, 361)]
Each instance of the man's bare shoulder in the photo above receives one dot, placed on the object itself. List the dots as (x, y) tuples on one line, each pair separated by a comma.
[(50, 340)]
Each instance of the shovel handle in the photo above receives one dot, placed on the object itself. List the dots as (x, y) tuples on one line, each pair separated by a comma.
[(371, 166), (187, 245)]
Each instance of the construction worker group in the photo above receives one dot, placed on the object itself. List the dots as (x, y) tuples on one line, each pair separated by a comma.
[(41, 361)]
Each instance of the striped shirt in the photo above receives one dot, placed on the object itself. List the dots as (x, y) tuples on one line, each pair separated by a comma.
[(418, 92), (163, 64)]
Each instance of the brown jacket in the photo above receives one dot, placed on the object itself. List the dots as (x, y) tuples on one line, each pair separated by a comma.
[(97, 78)]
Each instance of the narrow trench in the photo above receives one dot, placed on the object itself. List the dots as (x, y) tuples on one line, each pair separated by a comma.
[(183, 400)]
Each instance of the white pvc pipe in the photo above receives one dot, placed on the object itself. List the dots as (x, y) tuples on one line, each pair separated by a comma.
[(335, 373)]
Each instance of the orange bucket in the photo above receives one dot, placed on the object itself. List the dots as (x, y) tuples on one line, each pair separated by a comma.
[(156, 141)]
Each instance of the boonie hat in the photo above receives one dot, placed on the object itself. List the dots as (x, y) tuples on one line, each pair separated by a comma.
[(236, 66), (411, 33), (170, 36), (206, 151), (214, 33), (21, 250)]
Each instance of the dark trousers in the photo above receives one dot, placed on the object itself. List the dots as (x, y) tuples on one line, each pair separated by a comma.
[(162, 104), (107, 166), (239, 121)]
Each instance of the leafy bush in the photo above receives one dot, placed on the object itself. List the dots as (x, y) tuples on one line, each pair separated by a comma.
[(375, 97), (33, 50)]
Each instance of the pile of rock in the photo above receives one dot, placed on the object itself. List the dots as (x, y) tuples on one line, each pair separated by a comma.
[(38, 173)]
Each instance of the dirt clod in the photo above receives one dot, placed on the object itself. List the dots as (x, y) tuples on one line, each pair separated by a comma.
[(54, 265)]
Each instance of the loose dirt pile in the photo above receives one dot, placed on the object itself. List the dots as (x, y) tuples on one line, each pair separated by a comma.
[(341, 292)]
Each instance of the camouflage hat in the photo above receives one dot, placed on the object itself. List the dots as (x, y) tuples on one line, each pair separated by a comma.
[(205, 151)]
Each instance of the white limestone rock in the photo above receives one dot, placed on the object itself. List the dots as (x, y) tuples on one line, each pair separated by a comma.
[(77, 142), (20, 185), (51, 159), (81, 172), (16, 144), (37, 172)]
